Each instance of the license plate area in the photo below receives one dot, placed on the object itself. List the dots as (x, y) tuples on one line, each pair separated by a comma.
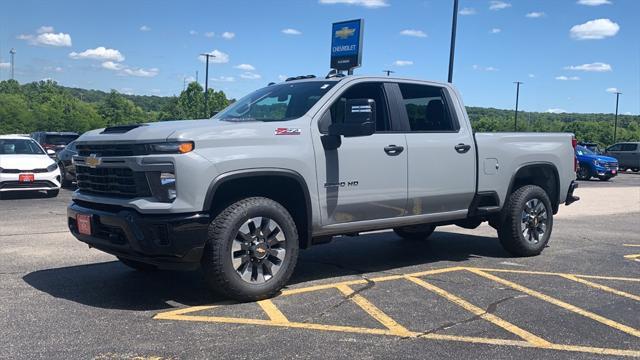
[(83, 223), (26, 178)]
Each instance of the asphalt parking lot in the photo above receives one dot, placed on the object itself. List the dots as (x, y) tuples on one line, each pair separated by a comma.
[(457, 295)]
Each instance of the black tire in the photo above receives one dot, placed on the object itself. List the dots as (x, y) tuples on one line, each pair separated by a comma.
[(64, 182), (416, 232), (137, 265), (510, 231), (583, 174), (219, 272), (53, 193), (635, 169)]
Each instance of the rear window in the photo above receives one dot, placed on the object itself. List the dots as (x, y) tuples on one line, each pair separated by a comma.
[(59, 139), (426, 108)]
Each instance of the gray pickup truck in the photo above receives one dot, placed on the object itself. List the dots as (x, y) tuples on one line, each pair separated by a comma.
[(297, 163)]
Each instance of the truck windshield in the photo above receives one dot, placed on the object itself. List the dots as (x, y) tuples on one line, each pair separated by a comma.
[(277, 102), (581, 150)]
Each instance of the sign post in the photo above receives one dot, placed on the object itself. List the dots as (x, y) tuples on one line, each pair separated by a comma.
[(346, 45)]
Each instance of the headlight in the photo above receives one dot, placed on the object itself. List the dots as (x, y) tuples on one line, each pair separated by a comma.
[(597, 163), (181, 147), (52, 167)]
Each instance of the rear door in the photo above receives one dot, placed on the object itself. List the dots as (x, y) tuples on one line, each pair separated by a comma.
[(442, 157)]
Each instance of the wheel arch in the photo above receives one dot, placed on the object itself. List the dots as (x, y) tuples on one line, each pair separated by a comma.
[(543, 174), (283, 185)]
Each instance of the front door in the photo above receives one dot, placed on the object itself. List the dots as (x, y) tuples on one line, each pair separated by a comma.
[(366, 177)]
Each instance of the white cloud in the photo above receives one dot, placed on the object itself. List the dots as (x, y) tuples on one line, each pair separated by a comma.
[(595, 29), (44, 29), (209, 34), (193, 32), (556, 111), (612, 90), (282, 77), (145, 28), (140, 72), (484, 68), (290, 31), (535, 14), (218, 57), (228, 35), (372, 4), (593, 67), (245, 67), (223, 79), (250, 76), (110, 65), (403, 62), (99, 53), (498, 5), (414, 33), (531, 76), (495, 31), (567, 78), (155, 91), (5, 65), (467, 11), (594, 2), (189, 79)]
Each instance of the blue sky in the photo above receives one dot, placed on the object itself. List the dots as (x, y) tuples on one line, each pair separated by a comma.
[(568, 53)]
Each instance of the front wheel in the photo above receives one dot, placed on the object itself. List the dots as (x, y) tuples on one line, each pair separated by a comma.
[(416, 232), (529, 220), (635, 169), (251, 250), (583, 174)]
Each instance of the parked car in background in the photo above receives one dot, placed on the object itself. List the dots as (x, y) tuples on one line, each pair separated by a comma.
[(52, 140), (594, 165), (627, 153), (591, 146), (26, 166), (65, 163)]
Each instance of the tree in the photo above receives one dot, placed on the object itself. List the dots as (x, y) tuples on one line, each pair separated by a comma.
[(118, 110)]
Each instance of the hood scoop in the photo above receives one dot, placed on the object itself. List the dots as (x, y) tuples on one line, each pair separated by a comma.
[(121, 129)]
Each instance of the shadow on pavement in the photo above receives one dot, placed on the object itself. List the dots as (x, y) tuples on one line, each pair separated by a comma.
[(21, 195), (114, 286)]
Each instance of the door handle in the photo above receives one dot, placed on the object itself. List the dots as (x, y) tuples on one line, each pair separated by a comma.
[(462, 148), (393, 150)]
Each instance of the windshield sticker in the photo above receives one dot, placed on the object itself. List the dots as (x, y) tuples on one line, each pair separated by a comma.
[(288, 131), (324, 86)]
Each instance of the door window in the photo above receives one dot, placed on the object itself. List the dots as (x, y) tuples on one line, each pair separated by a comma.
[(372, 91), (616, 147), (629, 147), (427, 108)]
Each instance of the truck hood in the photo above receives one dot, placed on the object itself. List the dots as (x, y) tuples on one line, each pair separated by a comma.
[(601, 158), (156, 131), (25, 162)]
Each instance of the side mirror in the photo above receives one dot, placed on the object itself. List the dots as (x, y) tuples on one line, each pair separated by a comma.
[(359, 119), (51, 152)]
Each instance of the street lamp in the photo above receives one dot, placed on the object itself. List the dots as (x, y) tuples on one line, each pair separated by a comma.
[(615, 123), (454, 24), (515, 122), (206, 85)]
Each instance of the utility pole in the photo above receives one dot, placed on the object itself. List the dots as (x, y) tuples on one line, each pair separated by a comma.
[(206, 85), (452, 50), (615, 123), (515, 123), (388, 72), (13, 63)]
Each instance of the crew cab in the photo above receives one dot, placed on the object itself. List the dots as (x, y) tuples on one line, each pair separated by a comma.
[(297, 163)]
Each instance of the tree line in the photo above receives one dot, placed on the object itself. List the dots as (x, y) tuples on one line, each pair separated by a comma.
[(48, 106)]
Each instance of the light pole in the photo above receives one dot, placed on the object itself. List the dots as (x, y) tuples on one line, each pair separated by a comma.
[(615, 122), (206, 85), (13, 62), (388, 72), (452, 50), (515, 122)]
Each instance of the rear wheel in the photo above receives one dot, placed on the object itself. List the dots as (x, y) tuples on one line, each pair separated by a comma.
[(635, 169), (528, 223), (251, 251), (137, 265), (415, 232), (583, 174)]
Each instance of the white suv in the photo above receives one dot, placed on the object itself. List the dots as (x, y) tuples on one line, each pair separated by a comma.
[(25, 166)]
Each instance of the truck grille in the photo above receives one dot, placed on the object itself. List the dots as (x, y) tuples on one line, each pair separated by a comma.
[(611, 165), (118, 182), (112, 149)]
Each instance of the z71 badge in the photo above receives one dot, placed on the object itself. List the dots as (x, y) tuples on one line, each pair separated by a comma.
[(288, 131)]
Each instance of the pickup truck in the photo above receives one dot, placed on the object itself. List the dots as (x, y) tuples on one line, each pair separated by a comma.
[(297, 163)]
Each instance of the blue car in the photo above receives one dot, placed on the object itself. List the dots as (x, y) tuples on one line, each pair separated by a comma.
[(594, 165)]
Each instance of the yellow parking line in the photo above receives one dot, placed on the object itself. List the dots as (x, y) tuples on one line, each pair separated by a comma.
[(602, 287), (528, 272), (529, 337), (631, 245), (616, 325), (632, 256), (272, 311), (174, 314), (375, 312)]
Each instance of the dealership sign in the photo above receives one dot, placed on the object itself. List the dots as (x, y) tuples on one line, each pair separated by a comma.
[(346, 44)]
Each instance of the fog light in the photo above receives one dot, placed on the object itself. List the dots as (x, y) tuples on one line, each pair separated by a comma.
[(168, 184)]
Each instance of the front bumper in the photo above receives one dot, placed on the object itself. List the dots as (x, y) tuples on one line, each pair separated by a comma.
[(570, 197), (605, 171), (174, 241), (42, 181)]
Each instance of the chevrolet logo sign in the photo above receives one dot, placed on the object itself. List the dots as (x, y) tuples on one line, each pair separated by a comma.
[(345, 32), (92, 161)]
